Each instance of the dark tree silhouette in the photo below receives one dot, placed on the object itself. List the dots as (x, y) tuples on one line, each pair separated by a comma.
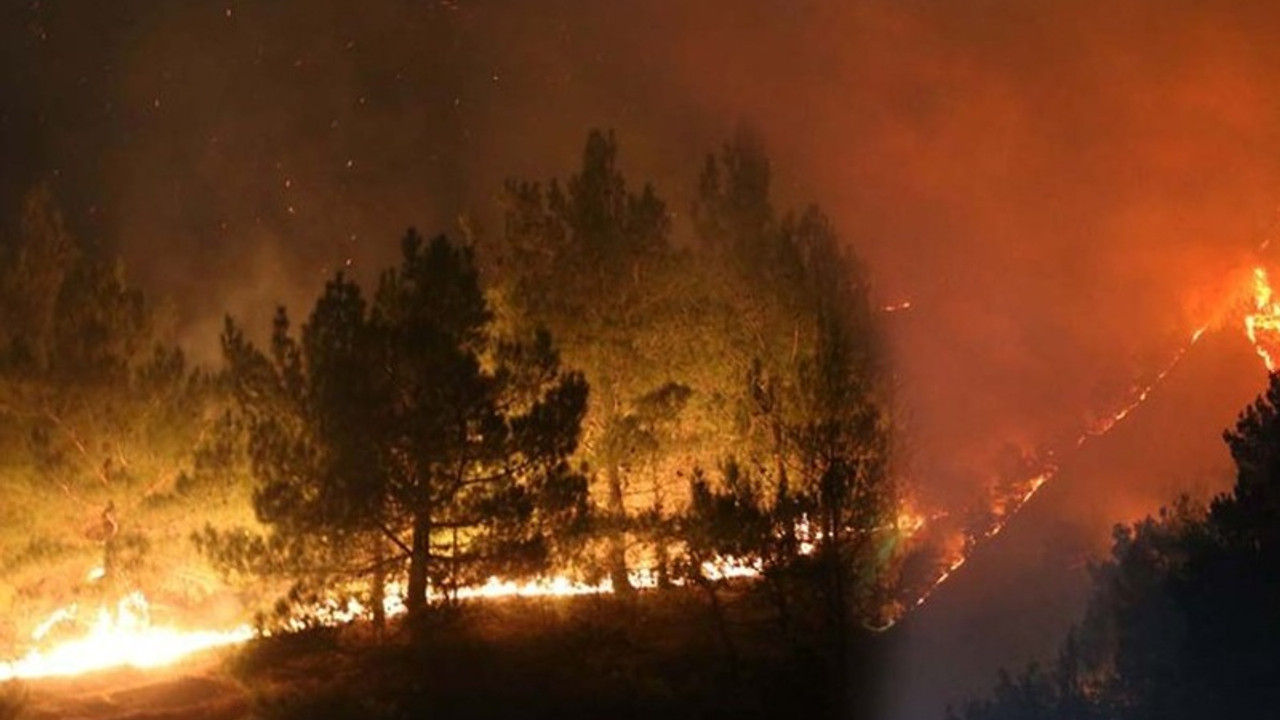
[(1183, 620), (408, 430)]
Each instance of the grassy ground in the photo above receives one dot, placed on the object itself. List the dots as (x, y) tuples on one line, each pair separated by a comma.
[(196, 689), (657, 655)]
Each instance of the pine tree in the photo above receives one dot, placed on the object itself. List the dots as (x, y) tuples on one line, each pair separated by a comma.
[(406, 427), (593, 263)]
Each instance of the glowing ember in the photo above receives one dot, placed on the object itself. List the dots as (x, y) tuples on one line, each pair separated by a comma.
[(908, 523), (122, 637)]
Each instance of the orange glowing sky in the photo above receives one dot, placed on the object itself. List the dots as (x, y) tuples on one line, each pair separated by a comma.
[(1064, 191)]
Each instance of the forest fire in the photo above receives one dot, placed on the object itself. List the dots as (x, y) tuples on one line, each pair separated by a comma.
[(1263, 325), (453, 359), (124, 635), (1005, 506)]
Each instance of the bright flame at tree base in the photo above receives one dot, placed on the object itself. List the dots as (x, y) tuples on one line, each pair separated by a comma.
[(125, 637)]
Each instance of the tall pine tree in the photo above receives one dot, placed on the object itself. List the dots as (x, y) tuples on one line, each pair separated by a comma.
[(405, 429)]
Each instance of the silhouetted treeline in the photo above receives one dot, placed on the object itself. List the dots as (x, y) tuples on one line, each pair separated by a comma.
[(1184, 621)]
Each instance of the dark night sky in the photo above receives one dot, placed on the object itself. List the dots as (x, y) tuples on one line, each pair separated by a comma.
[(1063, 189)]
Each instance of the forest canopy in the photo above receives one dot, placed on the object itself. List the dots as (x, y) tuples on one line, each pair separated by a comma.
[(595, 391)]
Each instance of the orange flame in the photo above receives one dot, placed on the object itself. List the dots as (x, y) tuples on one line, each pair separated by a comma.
[(908, 522), (1262, 327), (123, 635), (1263, 324)]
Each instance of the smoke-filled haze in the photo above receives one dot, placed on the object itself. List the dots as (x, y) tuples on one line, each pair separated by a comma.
[(1063, 190)]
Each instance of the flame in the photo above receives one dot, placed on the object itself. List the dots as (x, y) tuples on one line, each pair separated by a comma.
[(908, 523), (125, 636), (119, 636), (1005, 507), (1262, 326)]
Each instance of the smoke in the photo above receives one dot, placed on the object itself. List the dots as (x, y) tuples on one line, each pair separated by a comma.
[(1062, 190)]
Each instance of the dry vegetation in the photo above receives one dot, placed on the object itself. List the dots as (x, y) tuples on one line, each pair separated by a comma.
[(654, 655)]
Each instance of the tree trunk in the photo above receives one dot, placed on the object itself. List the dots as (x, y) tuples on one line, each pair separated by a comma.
[(783, 606), (378, 591), (779, 452), (721, 622), (838, 605), (618, 537), (661, 535), (664, 563), (419, 561), (453, 569), (833, 548)]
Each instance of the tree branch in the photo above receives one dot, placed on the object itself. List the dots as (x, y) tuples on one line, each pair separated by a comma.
[(395, 539)]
